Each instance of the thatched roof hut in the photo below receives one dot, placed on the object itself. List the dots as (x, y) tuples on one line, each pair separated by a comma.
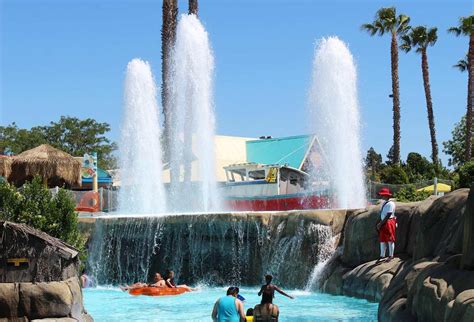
[(5, 165), (55, 166)]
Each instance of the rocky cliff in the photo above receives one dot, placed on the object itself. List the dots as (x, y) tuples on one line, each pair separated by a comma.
[(424, 282)]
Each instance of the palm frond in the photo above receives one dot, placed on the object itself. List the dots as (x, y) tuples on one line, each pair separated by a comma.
[(370, 28), (462, 65), (406, 43), (403, 24), (454, 30)]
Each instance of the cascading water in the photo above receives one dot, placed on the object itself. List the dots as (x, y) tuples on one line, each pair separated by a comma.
[(214, 249), (192, 120), (140, 160), (334, 118)]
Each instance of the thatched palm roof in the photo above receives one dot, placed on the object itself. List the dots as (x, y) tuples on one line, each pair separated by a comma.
[(5, 166), (48, 163)]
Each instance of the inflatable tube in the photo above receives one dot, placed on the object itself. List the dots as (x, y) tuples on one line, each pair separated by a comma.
[(157, 291)]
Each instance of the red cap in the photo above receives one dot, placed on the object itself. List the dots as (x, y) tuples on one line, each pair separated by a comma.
[(385, 192)]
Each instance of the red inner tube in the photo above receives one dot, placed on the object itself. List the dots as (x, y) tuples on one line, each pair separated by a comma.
[(157, 291)]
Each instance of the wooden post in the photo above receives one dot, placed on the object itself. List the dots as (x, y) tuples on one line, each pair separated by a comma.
[(467, 261)]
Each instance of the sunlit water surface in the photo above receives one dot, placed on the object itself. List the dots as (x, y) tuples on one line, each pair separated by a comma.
[(111, 304)]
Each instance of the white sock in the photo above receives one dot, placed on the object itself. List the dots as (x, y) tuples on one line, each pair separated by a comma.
[(391, 248), (382, 250)]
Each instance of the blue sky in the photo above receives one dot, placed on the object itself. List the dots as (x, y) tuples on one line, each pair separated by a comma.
[(68, 58)]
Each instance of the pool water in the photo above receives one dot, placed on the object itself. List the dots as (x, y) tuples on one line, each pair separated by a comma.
[(111, 304)]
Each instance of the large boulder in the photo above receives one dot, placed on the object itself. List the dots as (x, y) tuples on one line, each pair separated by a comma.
[(440, 231), (361, 238)]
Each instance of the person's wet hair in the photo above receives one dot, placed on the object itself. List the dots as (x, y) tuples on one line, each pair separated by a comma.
[(268, 278), (249, 312), (232, 290)]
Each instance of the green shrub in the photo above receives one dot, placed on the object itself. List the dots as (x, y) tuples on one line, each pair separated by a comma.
[(394, 174), (35, 205), (466, 175), (409, 193)]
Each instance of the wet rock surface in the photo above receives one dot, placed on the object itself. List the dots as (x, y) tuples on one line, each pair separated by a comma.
[(425, 282)]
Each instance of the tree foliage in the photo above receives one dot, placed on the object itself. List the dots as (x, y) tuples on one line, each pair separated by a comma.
[(394, 174), (466, 175), (409, 194), (373, 164), (418, 168), (419, 38), (455, 147), (69, 134), (35, 206)]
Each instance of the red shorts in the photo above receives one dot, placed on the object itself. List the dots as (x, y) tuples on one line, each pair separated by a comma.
[(387, 231)]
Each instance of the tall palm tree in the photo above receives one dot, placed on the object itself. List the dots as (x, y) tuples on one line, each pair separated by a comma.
[(466, 28), (193, 7), (387, 21), (421, 38), (168, 35)]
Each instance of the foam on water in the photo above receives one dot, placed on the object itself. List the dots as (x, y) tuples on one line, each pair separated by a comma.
[(334, 118)]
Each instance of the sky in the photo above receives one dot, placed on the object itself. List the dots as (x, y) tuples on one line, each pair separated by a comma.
[(68, 57)]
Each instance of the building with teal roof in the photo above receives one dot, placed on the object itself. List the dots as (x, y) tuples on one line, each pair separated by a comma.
[(291, 151)]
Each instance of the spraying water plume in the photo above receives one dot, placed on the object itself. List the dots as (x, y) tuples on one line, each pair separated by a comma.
[(192, 120), (334, 118), (140, 160)]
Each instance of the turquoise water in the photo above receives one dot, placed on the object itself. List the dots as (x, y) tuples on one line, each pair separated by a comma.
[(111, 304)]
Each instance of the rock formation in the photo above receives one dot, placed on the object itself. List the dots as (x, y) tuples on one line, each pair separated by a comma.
[(424, 282), (38, 276)]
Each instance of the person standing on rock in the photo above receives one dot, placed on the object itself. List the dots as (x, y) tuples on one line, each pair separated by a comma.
[(387, 225)]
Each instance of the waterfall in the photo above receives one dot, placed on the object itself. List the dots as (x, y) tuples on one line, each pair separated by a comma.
[(140, 161), (209, 248), (192, 155), (334, 118)]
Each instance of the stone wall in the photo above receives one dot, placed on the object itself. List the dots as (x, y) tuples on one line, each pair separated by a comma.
[(424, 282), (44, 300)]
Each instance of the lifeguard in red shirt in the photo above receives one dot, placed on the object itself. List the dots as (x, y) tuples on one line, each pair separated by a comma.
[(387, 225)]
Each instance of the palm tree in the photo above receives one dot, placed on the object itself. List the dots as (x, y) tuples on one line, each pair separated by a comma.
[(168, 35), (387, 21), (193, 7), (421, 38), (466, 28)]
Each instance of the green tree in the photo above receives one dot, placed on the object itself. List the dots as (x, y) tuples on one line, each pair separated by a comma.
[(466, 28), (35, 206), (387, 21), (409, 194), (69, 134), (19, 140), (394, 174), (418, 168), (421, 38), (466, 175), (390, 157), (455, 147), (373, 164)]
